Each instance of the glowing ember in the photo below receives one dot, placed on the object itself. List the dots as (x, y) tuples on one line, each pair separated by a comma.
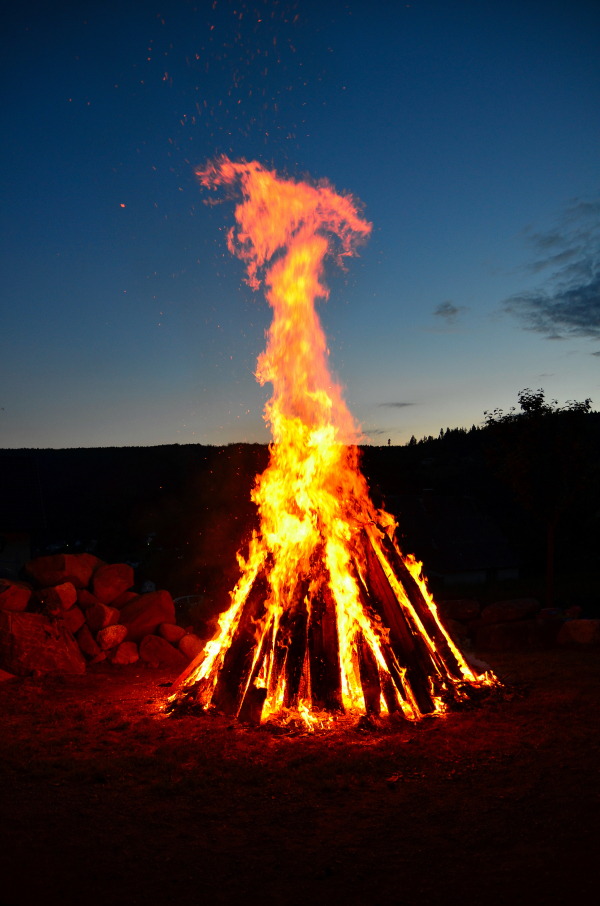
[(328, 616)]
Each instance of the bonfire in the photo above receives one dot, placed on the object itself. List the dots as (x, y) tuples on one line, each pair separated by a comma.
[(329, 617)]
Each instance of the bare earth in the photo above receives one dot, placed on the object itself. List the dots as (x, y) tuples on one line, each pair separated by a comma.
[(105, 801)]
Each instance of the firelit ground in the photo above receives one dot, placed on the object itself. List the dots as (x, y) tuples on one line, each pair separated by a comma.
[(104, 800)]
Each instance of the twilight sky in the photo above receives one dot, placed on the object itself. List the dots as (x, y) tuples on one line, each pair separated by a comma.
[(469, 131)]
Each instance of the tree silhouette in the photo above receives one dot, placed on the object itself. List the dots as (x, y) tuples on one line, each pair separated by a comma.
[(543, 454)]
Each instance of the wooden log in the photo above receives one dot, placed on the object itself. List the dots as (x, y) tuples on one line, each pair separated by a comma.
[(251, 706), (323, 649), (393, 678), (415, 596), (238, 659), (369, 676), (389, 695), (294, 661), (408, 649)]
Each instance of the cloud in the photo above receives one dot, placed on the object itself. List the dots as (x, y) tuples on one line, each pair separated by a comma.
[(568, 304), (395, 405), (568, 311), (449, 312)]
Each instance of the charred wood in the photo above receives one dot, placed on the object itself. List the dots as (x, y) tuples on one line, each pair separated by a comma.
[(415, 596), (325, 678), (369, 676), (238, 659), (409, 652)]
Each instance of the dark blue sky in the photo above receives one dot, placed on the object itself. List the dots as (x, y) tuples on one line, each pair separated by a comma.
[(469, 131)]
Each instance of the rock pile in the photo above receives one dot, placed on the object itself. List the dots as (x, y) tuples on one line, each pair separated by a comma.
[(77, 610), (516, 625)]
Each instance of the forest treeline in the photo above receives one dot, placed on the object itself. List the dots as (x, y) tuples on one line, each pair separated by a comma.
[(182, 511)]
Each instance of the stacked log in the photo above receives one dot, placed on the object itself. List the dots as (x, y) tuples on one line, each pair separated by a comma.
[(75, 610), (288, 653)]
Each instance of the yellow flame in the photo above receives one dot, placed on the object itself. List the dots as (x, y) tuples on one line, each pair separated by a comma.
[(312, 498)]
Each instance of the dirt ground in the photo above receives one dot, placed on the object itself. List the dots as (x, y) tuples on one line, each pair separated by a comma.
[(103, 799)]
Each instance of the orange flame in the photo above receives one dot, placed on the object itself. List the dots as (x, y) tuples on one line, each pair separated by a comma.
[(314, 506)]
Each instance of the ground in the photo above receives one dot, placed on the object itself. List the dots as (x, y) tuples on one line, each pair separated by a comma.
[(105, 800)]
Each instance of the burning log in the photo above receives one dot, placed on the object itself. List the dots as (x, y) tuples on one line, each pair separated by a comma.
[(369, 677), (237, 663), (323, 649), (408, 648)]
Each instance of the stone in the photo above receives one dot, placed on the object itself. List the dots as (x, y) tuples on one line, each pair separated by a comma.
[(111, 636), (457, 630), (87, 642), (49, 571), (171, 632), (57, 599), (93, 562), (32, 641), (191, 645), (123, 654), (157, 652), (13, 596), (73, 619), (4, 583), (507, 611), (85, 599), (461, 609), (580, 634), (112, 580), (144, 616), (99, 616), (520, 635), (126, 598)]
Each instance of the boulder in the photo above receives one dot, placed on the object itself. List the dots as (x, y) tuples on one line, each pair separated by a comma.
[(87, 643), (171, 632), (4, 583), (32, 641), (93, 562), (580, 634), (57, 599), (48, 571), (111, 636), (13, 596), (521, 635), (507, 611), (73, 619), (157, 652), (111, 580), (191, 646), (85, 599), (123, 654), (99, 616), (461, 609), (143, 616), (126, 598)]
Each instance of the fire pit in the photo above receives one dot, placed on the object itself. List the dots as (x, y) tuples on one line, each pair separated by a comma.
[(328, 617)]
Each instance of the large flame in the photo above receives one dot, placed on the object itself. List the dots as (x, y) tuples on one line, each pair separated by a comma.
[(303, 633)]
